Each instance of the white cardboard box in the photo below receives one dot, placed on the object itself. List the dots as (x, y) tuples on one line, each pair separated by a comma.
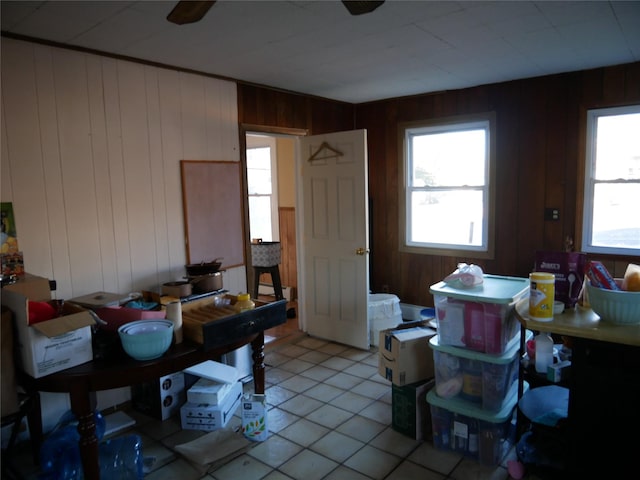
[(201, 416), (208, 391), (50, 346), (216, 371), (160, 398)]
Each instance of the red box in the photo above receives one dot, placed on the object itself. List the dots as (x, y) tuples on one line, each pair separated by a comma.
[(600, 277)]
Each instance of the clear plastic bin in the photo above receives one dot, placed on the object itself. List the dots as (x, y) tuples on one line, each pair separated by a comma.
[(473, 432), (478, 378), (479, 318)]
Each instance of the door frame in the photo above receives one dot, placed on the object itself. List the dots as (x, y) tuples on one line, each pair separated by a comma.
[(247, 128)]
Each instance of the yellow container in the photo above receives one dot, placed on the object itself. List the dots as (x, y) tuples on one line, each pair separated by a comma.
[(244, 303), (541, 296)]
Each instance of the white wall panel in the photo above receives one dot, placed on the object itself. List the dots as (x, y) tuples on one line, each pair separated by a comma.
[(171, 147), (77, 165), (24, 156), (118, 207), (194, 125), (101, 173), (90, 159), (137, 174)]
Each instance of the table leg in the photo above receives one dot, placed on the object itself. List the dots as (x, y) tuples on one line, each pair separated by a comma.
[(277, 283), (257, 347), (83, 405), (34, 420)]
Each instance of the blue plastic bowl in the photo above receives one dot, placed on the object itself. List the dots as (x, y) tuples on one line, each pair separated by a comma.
[(146, 339), (427, 313)]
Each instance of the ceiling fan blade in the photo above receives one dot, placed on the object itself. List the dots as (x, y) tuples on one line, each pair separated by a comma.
[(361, 7), (187, 11)]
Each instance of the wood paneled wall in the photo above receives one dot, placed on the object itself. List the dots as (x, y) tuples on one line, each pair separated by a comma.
[(288, 268), (540, 137)]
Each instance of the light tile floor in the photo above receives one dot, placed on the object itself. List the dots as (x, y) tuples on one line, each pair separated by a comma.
[(329, 418)]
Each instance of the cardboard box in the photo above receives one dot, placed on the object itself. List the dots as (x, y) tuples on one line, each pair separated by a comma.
[(31, 286), (216, 371), (410, 413), (50, 346), (404, 356), (160, 398), (208, 391), (559, 372), (201, 416)]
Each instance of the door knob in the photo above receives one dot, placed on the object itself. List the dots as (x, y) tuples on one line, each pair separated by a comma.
[(361, 251)]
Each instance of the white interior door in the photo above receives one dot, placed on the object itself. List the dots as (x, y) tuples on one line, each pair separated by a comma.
[(334, 237)]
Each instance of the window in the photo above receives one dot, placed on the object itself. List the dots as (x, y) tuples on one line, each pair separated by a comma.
[(448, 188), (262, 186), (611, 222)]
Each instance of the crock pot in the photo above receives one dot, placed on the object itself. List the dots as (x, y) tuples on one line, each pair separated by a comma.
[(207, 283), (177, 289)]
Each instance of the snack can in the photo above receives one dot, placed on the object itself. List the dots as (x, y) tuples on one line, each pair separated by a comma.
[(541, 296)]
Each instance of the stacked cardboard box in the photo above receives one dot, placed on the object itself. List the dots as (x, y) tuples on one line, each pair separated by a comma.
[(404, 358), (213, 398)]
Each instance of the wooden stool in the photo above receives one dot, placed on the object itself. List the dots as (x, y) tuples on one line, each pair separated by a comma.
[(274, 271)]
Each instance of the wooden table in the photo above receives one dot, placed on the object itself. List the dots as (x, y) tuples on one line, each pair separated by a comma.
[(83, 381), (604, 390)]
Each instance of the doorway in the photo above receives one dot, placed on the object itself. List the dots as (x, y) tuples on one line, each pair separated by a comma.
[(331, 232), (269, 163)]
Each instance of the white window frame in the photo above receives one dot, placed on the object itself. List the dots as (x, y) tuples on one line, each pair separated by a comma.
[(590, 181), (406, 130)]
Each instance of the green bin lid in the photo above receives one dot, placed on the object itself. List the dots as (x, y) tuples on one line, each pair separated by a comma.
[(511, 351), (463, 407), (493, 289)]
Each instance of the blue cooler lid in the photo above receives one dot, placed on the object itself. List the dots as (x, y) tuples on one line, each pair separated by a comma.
[(493, 289)]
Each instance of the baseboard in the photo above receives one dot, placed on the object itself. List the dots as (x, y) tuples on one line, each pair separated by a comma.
[(267, 289)]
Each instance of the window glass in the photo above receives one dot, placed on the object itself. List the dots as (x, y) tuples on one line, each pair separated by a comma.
[(611, 222), (447, 195), (262, 201)]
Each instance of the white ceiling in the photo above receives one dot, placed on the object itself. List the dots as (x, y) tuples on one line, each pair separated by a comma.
[(318, 48)]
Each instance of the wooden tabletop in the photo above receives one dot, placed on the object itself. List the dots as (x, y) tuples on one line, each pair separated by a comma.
[(580, 322)]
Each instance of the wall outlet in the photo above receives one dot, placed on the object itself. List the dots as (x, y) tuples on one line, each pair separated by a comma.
[(552, 214)]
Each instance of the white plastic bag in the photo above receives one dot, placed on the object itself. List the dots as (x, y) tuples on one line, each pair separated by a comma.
[(465, 276)]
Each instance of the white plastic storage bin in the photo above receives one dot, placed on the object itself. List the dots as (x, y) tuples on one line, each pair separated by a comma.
[(479, 379), (483, 436), (480, 318), (383, 312)]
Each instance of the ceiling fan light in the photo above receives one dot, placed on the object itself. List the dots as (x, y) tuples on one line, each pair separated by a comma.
[(361, 7), (187, 11)]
